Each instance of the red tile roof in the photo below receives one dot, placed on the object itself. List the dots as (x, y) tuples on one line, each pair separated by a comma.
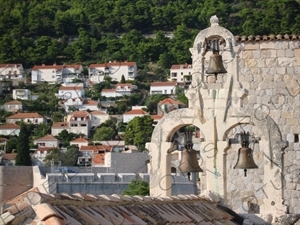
[(90, 102), (80, 114), (9, 126), (159, 84), (157, 117), (25, 116), (48, 67), (75, 66), (124, 85), (14, 102), (3, 139), (46, 138), (99, 158), (62, 125), (9, 156), (181, 66), (108, 90), (81, 139), (112, 64), (136, 112), (10, 65), (96, 148), (95, 112), (170, 101)]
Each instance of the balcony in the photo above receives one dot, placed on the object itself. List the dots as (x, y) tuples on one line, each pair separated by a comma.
[(131, 69)]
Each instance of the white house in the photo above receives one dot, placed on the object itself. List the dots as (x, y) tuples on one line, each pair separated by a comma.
[(79, 142), (113, 69), (58, 127), (47, 73), (23, 94), (127, 116), (120, 90), (181, 72), (47, 141), (80, 122), (9, 129), (167, 88), (89, 104), (13, 106), (34, 118), (98, 117), (12, 71), (72, 90), (70, 72), (71, 102)]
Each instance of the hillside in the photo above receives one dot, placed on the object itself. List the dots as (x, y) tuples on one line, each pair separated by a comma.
[(35, 32)]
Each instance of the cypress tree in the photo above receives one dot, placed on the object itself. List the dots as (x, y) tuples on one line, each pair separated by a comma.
[(23, 154)]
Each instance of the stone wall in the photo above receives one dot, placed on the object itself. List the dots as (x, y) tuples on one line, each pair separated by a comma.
[(269, 71)]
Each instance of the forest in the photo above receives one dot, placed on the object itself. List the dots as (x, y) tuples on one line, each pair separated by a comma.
[(94, 31)]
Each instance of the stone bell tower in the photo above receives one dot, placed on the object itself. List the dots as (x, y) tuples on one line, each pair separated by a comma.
[(218, 108)]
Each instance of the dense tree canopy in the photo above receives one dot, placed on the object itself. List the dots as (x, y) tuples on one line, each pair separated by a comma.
[(35, 32)]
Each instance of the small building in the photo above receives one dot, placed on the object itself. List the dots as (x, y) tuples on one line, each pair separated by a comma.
[(117, 145), (8, 159), (3, 142), (23, 94), (71, 72), (13, 106), (181, 73), (40, 154), (115, 70), (9, 129), (58, 127), (67, 91), (34, 118), (47, 141), (93, 155), (128, 116), (99, 117), (169, 104), (167, 88), (80, 142), (12, 71), (119, 91), (80, 122)]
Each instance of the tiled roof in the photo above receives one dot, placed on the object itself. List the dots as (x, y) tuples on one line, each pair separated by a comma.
[(25, 115), (182, 66), (90, 102), (157, 117), (10, 65), (76, 66), (70, 88), (3, 139), (80, 114), (46, 138), (14, 102), (99, 158), (169, 101), (60, 125), (9, 126), (20, 198), (159, 84), (44, 149), (108, 90), (116, 209), (9, 156), (136, 112), (124, 85), (48, 67), (96, 148), (81, 139), (112, 64)]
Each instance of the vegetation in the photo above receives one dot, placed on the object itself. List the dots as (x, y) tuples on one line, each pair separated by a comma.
[(35, 32), (23, 154), (137, 187), (67, 158)]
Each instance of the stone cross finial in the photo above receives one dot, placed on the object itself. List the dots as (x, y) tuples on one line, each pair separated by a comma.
[(214, 20)]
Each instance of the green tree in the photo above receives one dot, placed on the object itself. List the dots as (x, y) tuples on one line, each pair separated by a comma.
[(23, 154), (123, 81), (138, 131), (137, 187), (104, 134), (11, 144), (68, 158)]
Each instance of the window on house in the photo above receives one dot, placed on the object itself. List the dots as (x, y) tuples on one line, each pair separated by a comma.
[(181, 73), (53, 76), (296, 138)]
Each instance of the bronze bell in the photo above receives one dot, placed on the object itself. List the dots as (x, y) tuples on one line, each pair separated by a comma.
[(245, 156), (189, 161), (215, 65)]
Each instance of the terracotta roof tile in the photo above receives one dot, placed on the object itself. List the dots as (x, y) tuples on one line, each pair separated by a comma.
[(108, 90), (24, 115), (169, 101), (20, 198), (48, 67), (182, 66), (14, 102), (99, 158), (75, 66), (90, 102), (116, 209), (3, 139), (9, 126), (9, 156), (44, 149), (10, 65), (159, 84), (112, 64), (70, 88), (46, 138), (124, 85), (157, 117), (136, 112), (80, 114), (81, 139), (95, 112), (60, 125)]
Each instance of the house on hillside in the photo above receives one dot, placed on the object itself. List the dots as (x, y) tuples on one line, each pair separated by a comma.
[(99, 117), (23, 94), (181, 73), (115, 70), (58, 127), (40, 154), (167, 88), (73, 90), (80, 122), (47, 141), (79, 104), (13, 106), (79, 142), (8, 159), (34, 118), (119, 90), (169, 104), (55, 73), (93, 155), (9, 129), (3, 142), (13, 71), (128, 116)]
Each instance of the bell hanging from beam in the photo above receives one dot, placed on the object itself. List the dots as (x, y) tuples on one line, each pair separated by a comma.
[(245, 155), (189, 161), (215, 63)]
